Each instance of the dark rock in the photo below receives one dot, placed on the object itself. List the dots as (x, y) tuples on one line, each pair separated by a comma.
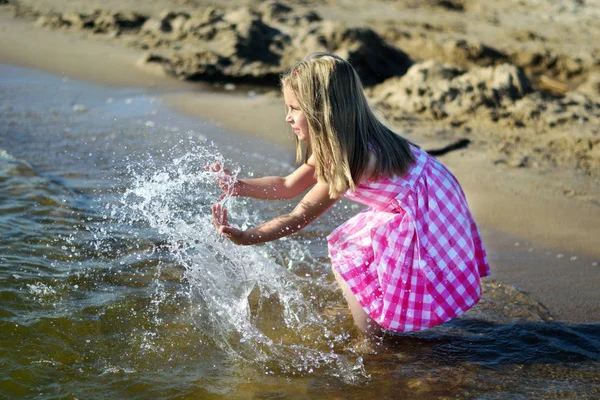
[(373, 59)]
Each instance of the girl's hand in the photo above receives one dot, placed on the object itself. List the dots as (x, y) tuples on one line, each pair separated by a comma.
[(225, 179), (223, 228)]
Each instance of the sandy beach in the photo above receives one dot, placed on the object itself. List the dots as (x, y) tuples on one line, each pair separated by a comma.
[(518, 82)]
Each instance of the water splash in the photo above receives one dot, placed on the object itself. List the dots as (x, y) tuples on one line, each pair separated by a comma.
[(247, 303)]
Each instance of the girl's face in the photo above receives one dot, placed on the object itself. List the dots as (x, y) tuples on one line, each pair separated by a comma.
[(294, 116)]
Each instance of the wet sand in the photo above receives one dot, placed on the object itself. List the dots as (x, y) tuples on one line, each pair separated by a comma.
[(541, 224)]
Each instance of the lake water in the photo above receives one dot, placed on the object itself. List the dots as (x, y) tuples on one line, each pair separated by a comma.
[(115, 285)]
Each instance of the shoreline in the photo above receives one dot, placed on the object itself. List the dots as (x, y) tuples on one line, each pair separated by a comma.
[(554, 210), (68, 55)]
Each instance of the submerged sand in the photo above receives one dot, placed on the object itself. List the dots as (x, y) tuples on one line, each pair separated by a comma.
[(514, 84)]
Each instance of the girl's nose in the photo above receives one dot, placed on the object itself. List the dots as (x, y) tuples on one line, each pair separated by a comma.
[(288, 118)]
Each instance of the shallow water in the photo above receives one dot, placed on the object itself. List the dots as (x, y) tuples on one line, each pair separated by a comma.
[(114, 283)]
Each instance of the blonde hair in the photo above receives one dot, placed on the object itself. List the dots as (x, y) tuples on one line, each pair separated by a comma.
[(342, 127)]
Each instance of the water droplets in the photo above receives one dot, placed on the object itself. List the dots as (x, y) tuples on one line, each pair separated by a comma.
[(79, 108), (245, 301)]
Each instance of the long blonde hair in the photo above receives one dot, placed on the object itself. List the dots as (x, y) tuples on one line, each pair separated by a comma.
[(342, 127)]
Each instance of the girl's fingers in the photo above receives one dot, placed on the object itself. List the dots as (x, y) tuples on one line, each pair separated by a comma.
[(225, 232), (217, 167), (225, 220), (223, 176), (229, 231), (211, 167), (221, 220), (215, 216)]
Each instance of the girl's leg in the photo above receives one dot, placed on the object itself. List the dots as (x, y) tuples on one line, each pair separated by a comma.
[(361, 319)]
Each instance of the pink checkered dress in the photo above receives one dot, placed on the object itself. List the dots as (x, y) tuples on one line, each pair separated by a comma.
[(414, 257)]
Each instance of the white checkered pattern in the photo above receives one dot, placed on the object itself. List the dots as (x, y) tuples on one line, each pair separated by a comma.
[(414, 257)]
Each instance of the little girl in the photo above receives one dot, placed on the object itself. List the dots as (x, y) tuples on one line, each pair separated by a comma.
[(414, 258)]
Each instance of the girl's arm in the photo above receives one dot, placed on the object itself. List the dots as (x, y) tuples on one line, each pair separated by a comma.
[(270, 187), (314, 203)]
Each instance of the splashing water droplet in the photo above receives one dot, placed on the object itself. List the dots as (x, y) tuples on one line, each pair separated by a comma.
[(238, 292)]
